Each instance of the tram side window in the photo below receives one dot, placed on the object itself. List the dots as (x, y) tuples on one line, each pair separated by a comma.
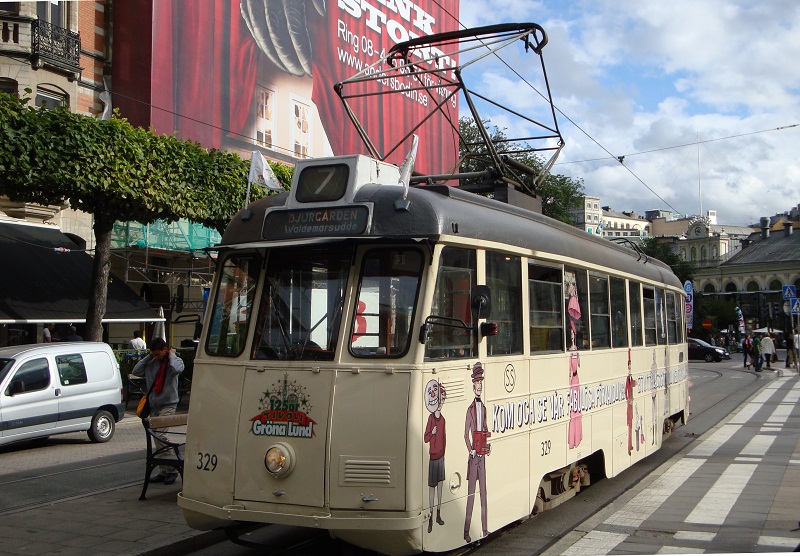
[(661, 320), (575, 299), (650, 334), (599, 305), (619, 314), (504, 278), (673, 318), (547, 318), (387, 296), (635, 303), (448, 339), (233, 305)]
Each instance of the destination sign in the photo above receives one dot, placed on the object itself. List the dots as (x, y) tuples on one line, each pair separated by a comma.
[(318, 222)]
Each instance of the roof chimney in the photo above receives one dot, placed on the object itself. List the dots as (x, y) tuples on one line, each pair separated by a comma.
[(787, 229), (764, 227)]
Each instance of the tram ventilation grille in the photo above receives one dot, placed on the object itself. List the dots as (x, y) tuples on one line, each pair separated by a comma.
[(374, 472)]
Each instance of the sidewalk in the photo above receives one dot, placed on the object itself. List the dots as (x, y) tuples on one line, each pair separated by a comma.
[(114, 522), (734, 490)]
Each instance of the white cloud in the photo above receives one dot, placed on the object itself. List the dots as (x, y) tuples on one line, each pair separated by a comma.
[(651, 76)]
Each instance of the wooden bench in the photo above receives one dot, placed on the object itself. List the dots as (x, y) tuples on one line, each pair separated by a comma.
[(167, 451)]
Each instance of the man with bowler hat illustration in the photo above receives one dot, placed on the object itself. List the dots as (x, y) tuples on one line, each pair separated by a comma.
[(476, 436)]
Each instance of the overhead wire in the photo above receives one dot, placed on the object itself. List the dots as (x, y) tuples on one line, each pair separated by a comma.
[(619, 158)]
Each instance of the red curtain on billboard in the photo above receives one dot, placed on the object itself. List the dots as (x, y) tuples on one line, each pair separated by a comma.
[(204, 70), (206, 63), (387, 118)]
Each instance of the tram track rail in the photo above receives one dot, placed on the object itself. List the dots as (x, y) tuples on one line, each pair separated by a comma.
[(28, 490)]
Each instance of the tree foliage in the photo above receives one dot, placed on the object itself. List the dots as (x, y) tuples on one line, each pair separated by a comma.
[(117, 173), (557, 192), (684, 270)]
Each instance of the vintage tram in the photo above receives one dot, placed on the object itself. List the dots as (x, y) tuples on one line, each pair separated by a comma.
[(415, 368)]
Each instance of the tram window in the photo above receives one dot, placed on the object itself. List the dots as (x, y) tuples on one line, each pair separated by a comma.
[(575, 299), (635, 303), (672, 319), (301, 305), (387, 296), (546, 314), (661, 321), (599, 306), (233, 305), (451, 300), (650, 334), (619, 314), (504, 278)]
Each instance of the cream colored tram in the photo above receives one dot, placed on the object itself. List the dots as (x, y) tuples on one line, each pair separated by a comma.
[(415, 369)]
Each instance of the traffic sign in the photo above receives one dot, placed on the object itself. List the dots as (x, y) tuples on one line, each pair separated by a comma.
[(795, 306), (789, 292)]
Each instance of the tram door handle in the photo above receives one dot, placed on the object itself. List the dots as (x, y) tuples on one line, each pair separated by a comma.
[(58, 392)]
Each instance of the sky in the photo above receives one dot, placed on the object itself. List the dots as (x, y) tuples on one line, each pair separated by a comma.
[(702, 98)]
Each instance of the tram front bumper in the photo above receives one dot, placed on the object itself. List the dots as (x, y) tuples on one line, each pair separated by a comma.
[(205, 517)]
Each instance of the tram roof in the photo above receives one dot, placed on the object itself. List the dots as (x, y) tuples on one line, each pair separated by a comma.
[(438, 210)]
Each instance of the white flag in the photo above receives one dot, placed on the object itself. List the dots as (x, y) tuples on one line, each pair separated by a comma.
[(262, 174)]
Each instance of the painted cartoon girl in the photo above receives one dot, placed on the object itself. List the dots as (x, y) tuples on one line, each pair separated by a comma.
[(573, 310)]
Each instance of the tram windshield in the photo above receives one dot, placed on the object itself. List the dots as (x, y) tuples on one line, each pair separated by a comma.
[(301, 305)]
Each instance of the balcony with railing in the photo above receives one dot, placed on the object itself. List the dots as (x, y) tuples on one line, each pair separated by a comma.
[(55, 46)]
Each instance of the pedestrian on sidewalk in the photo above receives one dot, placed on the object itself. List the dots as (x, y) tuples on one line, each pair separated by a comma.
[(796, 350), (768, 350), (161, 369)]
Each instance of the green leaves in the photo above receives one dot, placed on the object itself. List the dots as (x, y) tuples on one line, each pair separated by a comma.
[(131, 173), (557, 192)]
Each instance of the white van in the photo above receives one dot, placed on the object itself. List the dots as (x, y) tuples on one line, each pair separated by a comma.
[(55, 388)]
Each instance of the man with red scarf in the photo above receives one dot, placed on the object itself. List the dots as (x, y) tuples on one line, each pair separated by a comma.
[(161, 369)]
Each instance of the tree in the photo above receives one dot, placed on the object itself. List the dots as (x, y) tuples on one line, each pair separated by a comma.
[(684, 270), (557, 192), (115, 172)]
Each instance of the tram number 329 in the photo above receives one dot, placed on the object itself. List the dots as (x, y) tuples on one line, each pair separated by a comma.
[(206, 461), (546, 447)]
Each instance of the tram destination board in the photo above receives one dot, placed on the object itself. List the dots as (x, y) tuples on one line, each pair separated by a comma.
[(317, 222)]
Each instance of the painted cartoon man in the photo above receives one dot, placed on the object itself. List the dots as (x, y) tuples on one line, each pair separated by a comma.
[(476, 434), (436, 437), (654, 398)]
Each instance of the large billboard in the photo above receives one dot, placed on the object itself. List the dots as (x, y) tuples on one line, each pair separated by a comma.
[(231, 74)]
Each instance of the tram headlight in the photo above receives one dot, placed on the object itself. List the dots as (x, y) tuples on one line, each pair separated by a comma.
[(279, 460)]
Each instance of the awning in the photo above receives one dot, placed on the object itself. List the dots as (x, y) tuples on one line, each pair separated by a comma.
[(44, 277)]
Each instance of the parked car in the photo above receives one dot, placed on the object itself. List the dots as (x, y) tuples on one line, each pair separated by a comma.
[(48, 389), (698, 349)]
